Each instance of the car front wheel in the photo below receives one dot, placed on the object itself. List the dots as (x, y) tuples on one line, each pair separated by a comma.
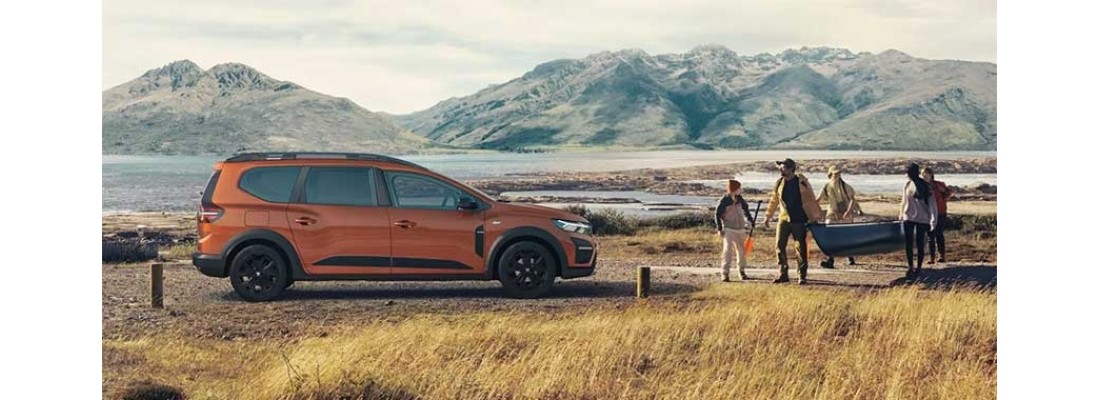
[(526, 270)]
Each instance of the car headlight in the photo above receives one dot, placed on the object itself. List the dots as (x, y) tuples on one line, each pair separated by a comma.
[(575, 227)]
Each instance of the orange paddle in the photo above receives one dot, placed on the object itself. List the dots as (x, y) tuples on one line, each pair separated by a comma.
[(749, 242)]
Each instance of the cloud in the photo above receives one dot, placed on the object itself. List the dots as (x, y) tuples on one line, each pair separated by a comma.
[(405, 56)]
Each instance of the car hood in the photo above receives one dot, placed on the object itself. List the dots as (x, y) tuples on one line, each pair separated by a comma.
[(539, 211)]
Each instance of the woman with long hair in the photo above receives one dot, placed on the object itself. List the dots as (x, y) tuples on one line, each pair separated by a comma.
[(943, 195), (918, 213)]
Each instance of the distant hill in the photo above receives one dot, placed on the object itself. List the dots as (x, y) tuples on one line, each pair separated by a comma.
[(711, 97), (182, 109)]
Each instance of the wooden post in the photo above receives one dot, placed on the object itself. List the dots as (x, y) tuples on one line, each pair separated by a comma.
[(643, 282), (156, 286)]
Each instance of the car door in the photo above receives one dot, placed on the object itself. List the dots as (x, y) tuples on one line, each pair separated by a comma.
[(430, 234), (339, 227)]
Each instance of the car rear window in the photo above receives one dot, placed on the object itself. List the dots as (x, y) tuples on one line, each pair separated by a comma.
[(273, 184), (343, 186), (208, 193)]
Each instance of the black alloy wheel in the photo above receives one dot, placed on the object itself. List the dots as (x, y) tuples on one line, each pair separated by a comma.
[(258, 273), (526, 270)]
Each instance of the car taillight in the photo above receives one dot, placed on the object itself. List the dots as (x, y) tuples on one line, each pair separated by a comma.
[(210, 213)]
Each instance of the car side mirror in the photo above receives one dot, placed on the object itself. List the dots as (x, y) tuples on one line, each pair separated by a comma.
[(468, 204)]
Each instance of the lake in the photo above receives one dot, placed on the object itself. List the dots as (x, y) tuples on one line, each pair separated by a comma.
[(173, 183)]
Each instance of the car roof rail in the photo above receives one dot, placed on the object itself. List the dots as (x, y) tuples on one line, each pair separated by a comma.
[(301, 155)]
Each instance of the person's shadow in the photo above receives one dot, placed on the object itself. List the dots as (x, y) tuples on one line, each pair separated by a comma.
[(963, 276)]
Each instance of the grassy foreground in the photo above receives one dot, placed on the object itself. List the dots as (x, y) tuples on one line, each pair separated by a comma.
[(728, 341)]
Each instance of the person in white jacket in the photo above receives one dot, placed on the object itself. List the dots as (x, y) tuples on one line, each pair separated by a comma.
[(918, 211), (733, 220)]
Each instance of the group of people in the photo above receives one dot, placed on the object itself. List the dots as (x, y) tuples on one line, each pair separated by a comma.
[(923, 212)]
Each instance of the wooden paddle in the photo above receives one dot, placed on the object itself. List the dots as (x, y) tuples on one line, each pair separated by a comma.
[(749, 242)]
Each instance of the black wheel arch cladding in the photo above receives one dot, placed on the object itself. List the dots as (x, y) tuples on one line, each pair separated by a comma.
[(526, 233), (266, 237)]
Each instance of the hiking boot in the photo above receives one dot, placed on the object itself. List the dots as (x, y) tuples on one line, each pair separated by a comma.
[(744, 277), (827, 264), (781, 279), (851, 261), (802, 281)]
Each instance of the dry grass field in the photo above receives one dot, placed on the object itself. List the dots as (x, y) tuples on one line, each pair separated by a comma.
[(855, 333), (727, 341)]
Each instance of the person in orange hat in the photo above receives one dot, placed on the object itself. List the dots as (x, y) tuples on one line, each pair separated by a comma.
[(733, 220)]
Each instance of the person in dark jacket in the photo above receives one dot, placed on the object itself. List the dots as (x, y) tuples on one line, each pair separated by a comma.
[(732, 218), (918, 211), (794, 198)]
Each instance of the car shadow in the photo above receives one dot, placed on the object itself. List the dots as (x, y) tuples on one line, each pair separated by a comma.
[(581, 289)]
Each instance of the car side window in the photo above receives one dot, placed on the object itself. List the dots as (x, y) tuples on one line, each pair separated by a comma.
[(272, 184), (341, 186), (418, 191)]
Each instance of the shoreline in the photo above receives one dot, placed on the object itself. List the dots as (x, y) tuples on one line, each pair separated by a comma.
[(684, 181), (583, 149), (678, 181)]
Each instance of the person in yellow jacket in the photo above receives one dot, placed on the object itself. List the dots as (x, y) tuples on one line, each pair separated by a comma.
[(794, 197)]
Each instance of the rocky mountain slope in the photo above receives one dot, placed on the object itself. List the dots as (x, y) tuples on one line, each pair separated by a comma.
[(712, 97), (182, 109)]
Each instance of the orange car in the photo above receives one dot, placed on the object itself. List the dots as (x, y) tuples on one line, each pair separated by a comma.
[(269, 220)]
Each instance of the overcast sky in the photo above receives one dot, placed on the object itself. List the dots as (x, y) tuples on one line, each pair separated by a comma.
[(404, 56)]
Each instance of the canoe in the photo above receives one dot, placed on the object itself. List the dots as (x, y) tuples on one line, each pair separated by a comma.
[(858, 239)]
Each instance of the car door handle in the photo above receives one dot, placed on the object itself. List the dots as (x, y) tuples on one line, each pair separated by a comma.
[(405, 224), (305, 221)]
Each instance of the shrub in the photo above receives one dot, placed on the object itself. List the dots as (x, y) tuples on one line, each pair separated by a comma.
[(145, 390), (683, 220), (972, 223), (578, 209), (608, 221), (129, 251)]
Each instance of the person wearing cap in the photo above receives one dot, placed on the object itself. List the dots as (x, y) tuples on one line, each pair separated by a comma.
[(794, 198), (943, 194), (732, 218), (839, 201)]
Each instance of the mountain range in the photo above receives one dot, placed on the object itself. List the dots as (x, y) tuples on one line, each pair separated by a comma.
[(712, 97), (182, 109), (708, 97)]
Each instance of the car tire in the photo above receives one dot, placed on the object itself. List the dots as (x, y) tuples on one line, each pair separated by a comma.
[(526, 270), (259, 273)]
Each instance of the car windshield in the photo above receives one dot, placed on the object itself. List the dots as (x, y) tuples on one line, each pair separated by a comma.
[(483, 194), (465, 186)]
